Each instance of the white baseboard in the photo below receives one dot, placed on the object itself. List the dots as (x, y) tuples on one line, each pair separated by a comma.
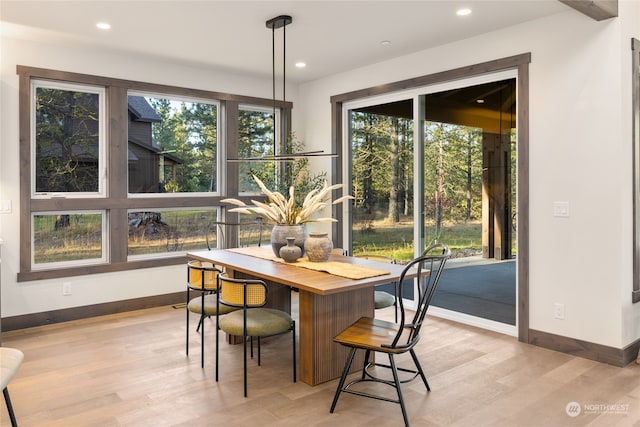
[(479, 322)]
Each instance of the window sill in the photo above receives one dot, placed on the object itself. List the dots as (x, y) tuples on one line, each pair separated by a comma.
[(28, 276)]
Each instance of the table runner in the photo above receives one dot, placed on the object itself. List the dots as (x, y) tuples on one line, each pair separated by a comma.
[(342, 269)]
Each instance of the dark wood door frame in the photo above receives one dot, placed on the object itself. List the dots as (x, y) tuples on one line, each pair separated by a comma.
[(520, 63)]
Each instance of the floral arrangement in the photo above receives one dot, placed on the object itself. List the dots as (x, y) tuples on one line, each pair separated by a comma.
[(281, 210)]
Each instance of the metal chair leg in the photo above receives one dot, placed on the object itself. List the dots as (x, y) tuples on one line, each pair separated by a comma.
[(202, 345), (342, 379), (259, 358), (245, 363), (420, 371), (7, 400), (200, 322), (396, 380), (367, 354), (187, 341), (293, 331), (217, 345)]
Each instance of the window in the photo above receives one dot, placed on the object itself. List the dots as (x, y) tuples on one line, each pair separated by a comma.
[(118, 174), (68, 139), (255, 139), (68, 238), (166, 231), (172, 145)]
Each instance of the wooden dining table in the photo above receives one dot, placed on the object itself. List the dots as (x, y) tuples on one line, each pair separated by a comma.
[(332, 296)]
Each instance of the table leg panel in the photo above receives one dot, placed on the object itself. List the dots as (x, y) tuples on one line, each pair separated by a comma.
[(322, 317)]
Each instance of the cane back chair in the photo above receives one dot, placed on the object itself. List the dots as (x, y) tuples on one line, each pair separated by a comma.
[(202, 278), (251, 319)]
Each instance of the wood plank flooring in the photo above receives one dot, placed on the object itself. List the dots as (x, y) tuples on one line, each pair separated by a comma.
[(131, 369)]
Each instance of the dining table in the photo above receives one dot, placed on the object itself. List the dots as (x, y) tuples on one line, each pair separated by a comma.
[(332, 295)]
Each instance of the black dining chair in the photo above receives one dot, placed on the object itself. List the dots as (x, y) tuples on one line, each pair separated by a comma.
[(203, 279), (393, 338), (251, 319)]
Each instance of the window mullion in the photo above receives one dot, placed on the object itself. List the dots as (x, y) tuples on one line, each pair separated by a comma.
[(117, 182)]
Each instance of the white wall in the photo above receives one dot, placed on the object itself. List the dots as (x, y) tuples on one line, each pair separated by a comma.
[(580, 152), (43, 295)]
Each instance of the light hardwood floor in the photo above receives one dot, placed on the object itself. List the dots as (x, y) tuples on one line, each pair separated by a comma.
[(131, 370)]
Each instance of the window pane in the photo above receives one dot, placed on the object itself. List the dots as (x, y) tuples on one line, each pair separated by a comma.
[(172, 145), (382, 179), (255, 132), (161, 231), (67, 236), (453, 186), (67, 140), (254, 231), (470, 169)]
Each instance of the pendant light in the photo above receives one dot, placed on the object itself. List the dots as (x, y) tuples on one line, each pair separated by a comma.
[(273, 24)]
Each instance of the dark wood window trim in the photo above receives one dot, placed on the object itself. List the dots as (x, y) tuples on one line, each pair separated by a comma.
[(117, 202), (635, 49), (521, 64)]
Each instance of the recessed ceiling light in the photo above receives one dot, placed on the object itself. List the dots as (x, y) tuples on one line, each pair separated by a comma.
[(103, 26), (301, 64), (480, 101), (463, 12), (385, 42)]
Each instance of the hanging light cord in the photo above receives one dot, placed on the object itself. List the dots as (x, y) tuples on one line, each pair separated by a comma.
[(277, 22), (284, 62), (273, 72), (273, 81)]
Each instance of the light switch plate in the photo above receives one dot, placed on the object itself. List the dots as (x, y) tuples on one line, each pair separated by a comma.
[(561, 209), (5, 206)]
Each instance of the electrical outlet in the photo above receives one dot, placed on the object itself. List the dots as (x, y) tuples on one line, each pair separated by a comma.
[(66, 288), (558, 311)]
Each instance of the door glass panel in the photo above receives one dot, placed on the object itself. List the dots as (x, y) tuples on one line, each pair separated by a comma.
[(382, 180), (470, 196)]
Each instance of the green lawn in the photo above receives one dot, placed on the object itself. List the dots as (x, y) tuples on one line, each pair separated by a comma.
[(82, 238), (396, 240)]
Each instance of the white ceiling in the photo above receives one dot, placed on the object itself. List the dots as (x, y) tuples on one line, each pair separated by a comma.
[(330, 36)]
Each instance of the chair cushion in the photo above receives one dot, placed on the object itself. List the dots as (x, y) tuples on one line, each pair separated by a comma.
[(10, 361), (210, 306), (261, 322), (384, 299)]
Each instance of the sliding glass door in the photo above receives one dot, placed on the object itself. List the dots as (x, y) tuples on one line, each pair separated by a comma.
[(437, 164)]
